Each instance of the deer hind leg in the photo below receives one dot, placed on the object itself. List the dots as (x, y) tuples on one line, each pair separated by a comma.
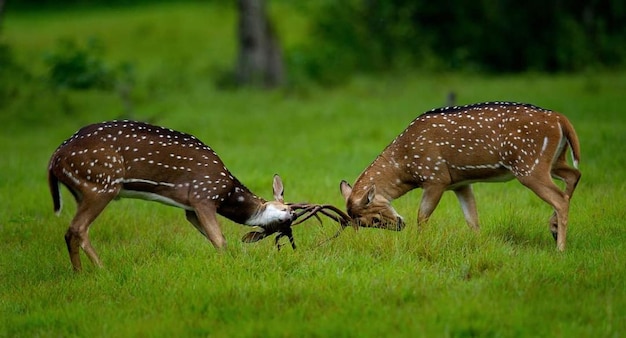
[(562, 171), (430, 199), (547, 190), (204, 218), (466, 197), (77, 236)]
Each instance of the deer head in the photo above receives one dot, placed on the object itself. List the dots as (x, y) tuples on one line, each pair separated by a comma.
[(368, 209), (299, 212), (278, 218)]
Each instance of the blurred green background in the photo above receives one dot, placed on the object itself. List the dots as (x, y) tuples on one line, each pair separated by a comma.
[(322, 42)]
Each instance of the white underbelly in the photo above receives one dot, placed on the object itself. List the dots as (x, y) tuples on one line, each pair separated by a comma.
[(148, 196), (498, 178)]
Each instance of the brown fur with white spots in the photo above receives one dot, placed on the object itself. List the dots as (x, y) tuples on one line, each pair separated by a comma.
[(110, 160), (451, 148)]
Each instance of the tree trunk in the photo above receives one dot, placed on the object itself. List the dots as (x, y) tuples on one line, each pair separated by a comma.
[(2, 2), (260, 61)]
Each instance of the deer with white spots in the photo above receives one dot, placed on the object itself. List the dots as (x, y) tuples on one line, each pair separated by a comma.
[(105, 161), (451, 148)]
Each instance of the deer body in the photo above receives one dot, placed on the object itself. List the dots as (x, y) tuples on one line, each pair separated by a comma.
[(451, 148), (127, 159)]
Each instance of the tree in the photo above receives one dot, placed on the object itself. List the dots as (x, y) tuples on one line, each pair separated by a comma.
[(260, 60), (2, 2)]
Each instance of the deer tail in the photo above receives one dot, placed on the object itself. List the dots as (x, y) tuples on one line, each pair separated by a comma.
[(572, 139), (53, 183)]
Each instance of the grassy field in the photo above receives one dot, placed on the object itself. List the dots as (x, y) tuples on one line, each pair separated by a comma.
[(162, 278)]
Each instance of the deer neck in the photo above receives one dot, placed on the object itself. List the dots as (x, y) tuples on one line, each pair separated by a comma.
[(387, 175), (241, 205)]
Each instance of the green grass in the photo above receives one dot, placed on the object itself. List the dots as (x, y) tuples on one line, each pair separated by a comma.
[(161, 278)]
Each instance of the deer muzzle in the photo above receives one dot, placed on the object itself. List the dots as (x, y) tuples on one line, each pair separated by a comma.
[(399, 225)]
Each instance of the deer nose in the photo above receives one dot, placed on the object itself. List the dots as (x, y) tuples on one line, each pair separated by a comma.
[(399, 224)]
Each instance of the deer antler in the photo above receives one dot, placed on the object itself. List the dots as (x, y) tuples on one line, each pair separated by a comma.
[(306, 211), (313, 209)]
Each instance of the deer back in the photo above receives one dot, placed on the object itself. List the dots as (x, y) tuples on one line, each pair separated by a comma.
[(486, 140), (136, 159)]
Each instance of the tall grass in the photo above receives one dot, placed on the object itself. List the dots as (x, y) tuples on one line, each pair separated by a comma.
[(162, 278)]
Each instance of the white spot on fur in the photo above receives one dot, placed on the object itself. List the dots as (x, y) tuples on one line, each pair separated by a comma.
[(545, 144)]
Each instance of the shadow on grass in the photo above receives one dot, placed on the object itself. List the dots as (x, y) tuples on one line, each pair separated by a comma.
[(519, 233)]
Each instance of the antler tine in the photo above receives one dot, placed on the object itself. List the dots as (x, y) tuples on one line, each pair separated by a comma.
[(335, 218), (344, 218), (312, 211), (339, 216), (301, 212), (331, 237), (302, 205)]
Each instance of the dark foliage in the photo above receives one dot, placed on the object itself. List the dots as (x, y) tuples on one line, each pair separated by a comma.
[(31, 5), (491, 36), (79, 67), (11, 74)]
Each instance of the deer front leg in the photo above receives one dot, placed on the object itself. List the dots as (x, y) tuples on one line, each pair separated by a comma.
[(204, 218), (545, 188), (430, 198), (193, 219), (465, 196)]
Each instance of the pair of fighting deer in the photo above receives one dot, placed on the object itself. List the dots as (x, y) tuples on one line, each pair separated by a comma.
[(443, 149)]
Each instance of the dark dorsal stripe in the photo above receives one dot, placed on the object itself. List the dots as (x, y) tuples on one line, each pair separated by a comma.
[(477, 106)]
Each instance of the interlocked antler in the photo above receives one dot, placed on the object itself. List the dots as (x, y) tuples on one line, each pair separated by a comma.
[(300, 212), (307, 211), (310, 210)]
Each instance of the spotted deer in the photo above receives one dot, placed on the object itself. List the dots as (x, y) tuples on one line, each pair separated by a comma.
[(127, 159), (451, 148)]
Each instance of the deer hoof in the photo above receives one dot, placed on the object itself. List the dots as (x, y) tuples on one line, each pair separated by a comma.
[(554, 235)]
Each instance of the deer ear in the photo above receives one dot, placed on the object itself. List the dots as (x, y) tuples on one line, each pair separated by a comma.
[(253, 236), (371, 193), (279, 190), (346, 189)]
